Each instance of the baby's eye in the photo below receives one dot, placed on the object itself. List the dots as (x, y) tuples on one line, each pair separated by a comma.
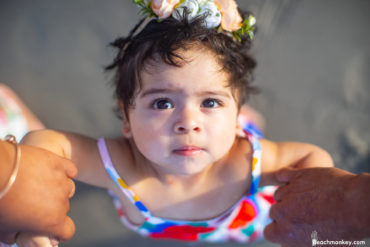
[(162, 104), (211, 103)]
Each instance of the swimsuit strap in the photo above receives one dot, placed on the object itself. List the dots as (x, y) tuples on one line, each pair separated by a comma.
[(108, 164), (253, 133), (256, 162)]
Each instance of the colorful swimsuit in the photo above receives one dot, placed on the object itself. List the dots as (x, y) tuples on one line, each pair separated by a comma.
[(244, 222), (12, 120)]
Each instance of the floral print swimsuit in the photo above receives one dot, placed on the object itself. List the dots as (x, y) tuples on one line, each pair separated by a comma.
[(243, 222), (12, 120)]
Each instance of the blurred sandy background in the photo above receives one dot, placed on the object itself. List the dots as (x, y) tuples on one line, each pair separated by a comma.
[(313, 71)]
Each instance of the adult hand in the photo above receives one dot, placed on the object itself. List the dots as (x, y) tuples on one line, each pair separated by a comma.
[(38, 201), (329, 202)]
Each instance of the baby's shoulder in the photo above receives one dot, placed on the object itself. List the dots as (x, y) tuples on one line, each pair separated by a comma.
[(246, 149), (121, 153), (239, 158), (119, 149)]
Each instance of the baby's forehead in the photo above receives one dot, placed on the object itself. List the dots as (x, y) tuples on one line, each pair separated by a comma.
[(183, 58), (184, 81), (196, 63), (188, 66)]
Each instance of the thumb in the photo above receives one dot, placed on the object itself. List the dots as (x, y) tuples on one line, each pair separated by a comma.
[(287, 174), (273, 232), (64, 231), (70, 168)]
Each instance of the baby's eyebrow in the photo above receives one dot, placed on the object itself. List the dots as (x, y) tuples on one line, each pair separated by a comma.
[(151, 91), (215, 93), (156, 91)]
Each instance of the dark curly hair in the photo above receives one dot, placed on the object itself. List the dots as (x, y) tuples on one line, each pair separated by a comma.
[(164, 39)]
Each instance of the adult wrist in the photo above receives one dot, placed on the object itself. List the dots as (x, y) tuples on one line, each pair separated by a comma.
[(7, 156), (7, 153), (4, 189)]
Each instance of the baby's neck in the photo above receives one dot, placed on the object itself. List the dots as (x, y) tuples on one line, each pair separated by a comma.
[(185, 182)]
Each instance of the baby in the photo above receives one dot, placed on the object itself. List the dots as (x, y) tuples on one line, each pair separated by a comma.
[(187, 167)]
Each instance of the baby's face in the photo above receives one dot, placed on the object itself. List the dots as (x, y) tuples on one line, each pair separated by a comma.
[(184, 118)]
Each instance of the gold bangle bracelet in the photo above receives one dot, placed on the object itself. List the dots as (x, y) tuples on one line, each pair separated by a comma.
[(11, 139)]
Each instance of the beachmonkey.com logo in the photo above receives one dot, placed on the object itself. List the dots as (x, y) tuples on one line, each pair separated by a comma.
[(314, 238), (317, 242)]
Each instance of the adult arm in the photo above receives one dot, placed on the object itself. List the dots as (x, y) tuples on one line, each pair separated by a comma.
[(38, 201), (333, 202)]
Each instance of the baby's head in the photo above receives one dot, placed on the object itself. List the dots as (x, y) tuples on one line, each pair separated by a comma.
[(166, 40), (180, 86)]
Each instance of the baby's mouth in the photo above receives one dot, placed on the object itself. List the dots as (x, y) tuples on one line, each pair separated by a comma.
[(188, 151)]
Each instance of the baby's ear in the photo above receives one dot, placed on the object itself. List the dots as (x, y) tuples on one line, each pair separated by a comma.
[(126, 128)]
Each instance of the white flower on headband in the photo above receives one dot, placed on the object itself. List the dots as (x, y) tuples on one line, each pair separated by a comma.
[(213, 18), (192, 6), (223, 14), (199, 8)]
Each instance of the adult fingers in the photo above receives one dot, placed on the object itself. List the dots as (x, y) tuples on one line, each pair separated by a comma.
[(282, 212), (281, 192), (73, 189), (8, 238), (272, 232), (68, 186), (70, 168), (276, 212), (285, 175), (64, 231), (279, 233)]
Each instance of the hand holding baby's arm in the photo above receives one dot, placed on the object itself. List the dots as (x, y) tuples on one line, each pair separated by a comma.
[(81, 150), (290, 154), (52, 142)]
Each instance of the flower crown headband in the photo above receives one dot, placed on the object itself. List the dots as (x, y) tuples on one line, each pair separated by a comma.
[(221, 14)]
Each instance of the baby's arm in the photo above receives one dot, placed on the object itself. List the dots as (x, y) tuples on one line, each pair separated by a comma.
[(277, 155)]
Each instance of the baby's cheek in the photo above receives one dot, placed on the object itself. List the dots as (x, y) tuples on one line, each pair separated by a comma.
[(151, 146), (224, 137)]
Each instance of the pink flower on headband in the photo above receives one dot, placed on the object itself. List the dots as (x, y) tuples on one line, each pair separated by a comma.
[(164, 8), (231, 19)]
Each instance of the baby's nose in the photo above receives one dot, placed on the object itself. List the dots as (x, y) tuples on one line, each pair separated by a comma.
[(184, 127), (188, 121)]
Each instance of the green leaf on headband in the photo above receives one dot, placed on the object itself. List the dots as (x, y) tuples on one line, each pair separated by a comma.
[(247, 28), (146, 8)]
